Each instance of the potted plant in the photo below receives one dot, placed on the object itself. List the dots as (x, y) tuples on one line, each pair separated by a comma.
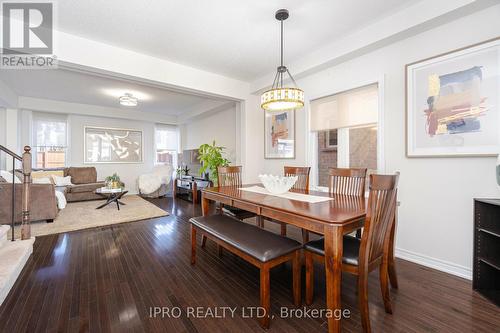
[(113, 181), (211, 157), (178, 172)]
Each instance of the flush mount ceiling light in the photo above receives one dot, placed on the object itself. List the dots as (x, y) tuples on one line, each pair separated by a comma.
[(128, 100), (281, 97)]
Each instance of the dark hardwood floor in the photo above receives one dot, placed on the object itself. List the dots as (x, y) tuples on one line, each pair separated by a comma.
[(106, 280)]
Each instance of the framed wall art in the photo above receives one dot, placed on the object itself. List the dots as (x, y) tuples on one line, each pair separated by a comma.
[(452, 103), (279, 134), (112, 145)]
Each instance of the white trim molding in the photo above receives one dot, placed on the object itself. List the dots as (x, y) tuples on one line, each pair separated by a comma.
[(440, 265)]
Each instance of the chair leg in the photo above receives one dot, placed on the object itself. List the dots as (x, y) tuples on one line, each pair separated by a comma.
[(297, 271), (265, 296), (193, 245), (305, 236), (203, 241), (392, 264), (260, 221), (363, 300), (309, 277), (384, 286), (219, 251), (392, 273), (283, 229)]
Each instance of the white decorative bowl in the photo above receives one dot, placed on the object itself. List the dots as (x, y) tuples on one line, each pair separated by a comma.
[(277, 184)]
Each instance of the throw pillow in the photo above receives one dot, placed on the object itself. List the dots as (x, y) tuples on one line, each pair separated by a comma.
[(47, 173), (62, 181), (43, 180), (8, 177)]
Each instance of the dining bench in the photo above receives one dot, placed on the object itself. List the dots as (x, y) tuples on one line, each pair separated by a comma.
[(259, 247)]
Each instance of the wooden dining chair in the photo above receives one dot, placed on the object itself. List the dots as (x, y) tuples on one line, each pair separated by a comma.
[(302, 173), (344, 181), (347, 181), (232, 176), (302, 184), (361, 256)]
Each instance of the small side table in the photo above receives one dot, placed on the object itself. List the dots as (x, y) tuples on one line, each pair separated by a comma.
[(111, 195)]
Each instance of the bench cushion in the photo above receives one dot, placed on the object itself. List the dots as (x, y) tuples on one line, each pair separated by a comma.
[(256, 242), (351, 249)]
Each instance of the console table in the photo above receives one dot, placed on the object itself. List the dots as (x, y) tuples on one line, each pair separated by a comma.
[(189, 188), (486, 276)]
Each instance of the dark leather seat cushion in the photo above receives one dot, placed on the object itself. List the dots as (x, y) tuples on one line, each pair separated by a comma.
[(256, 242), (238, 213), (351, 249)]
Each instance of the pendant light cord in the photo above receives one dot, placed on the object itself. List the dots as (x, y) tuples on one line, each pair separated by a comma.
[(281, 42), (281, 74)]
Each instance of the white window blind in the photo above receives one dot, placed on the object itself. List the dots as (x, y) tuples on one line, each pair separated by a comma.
[(167, 144), (49, 140), (354, 108)]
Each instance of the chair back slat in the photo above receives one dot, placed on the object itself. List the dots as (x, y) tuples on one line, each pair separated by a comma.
[(379, 217), (347, 181), (229, 176), (303, 177)]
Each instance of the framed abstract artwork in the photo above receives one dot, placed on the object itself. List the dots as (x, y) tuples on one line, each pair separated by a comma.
[(279, 134), (452, 103), (112, 145)]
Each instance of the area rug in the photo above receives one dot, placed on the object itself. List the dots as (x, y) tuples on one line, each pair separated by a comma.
[(84, 215)]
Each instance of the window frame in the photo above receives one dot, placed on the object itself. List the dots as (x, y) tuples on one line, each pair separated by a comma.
[(312, 137)]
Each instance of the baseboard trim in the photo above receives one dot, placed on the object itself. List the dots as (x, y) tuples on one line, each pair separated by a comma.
[(440, 265)]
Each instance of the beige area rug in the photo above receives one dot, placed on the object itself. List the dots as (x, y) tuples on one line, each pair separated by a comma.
[(84, 215)]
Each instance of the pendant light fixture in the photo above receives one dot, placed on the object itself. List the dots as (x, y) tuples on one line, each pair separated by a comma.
[(281, 97)]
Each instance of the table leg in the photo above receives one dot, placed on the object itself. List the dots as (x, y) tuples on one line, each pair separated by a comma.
[(205, 209), (108, 200), (333, 266)]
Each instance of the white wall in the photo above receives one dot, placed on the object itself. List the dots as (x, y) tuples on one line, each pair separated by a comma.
[(2, 137), (128, 172), (436, 215), (220, 126)]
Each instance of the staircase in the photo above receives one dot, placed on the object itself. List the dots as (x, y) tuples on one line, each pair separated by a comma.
[(13, 257), (14, 253)]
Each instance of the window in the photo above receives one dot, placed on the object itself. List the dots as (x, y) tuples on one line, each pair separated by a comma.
[(331, 139), (346, 130), (49, 140), (167, 145)]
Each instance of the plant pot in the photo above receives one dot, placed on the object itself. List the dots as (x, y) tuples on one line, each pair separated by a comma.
[(115, 184)]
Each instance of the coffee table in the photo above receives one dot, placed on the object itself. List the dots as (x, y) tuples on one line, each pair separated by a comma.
[(111, 195)]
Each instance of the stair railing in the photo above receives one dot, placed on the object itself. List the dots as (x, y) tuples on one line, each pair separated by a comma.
[(26, 170)]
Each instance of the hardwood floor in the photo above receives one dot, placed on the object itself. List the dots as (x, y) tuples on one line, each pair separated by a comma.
[(106, 280)]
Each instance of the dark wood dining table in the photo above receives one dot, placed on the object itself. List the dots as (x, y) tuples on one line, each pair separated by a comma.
[(333, 219)]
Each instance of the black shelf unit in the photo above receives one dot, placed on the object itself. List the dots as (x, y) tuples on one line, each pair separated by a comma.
[(486, 276)]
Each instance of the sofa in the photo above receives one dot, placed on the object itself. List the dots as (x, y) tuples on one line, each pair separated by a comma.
[(43, 204), (84, 180)]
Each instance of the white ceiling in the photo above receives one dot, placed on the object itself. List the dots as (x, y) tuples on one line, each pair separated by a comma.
[(236, 38), (76, 87)]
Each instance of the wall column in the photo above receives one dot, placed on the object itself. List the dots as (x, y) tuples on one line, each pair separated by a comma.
[(12, 134)]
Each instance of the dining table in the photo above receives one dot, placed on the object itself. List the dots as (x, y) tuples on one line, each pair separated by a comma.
[(333, 217)]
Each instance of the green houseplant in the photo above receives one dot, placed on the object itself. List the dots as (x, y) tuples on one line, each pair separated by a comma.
[(211, 157), (113, 181)]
